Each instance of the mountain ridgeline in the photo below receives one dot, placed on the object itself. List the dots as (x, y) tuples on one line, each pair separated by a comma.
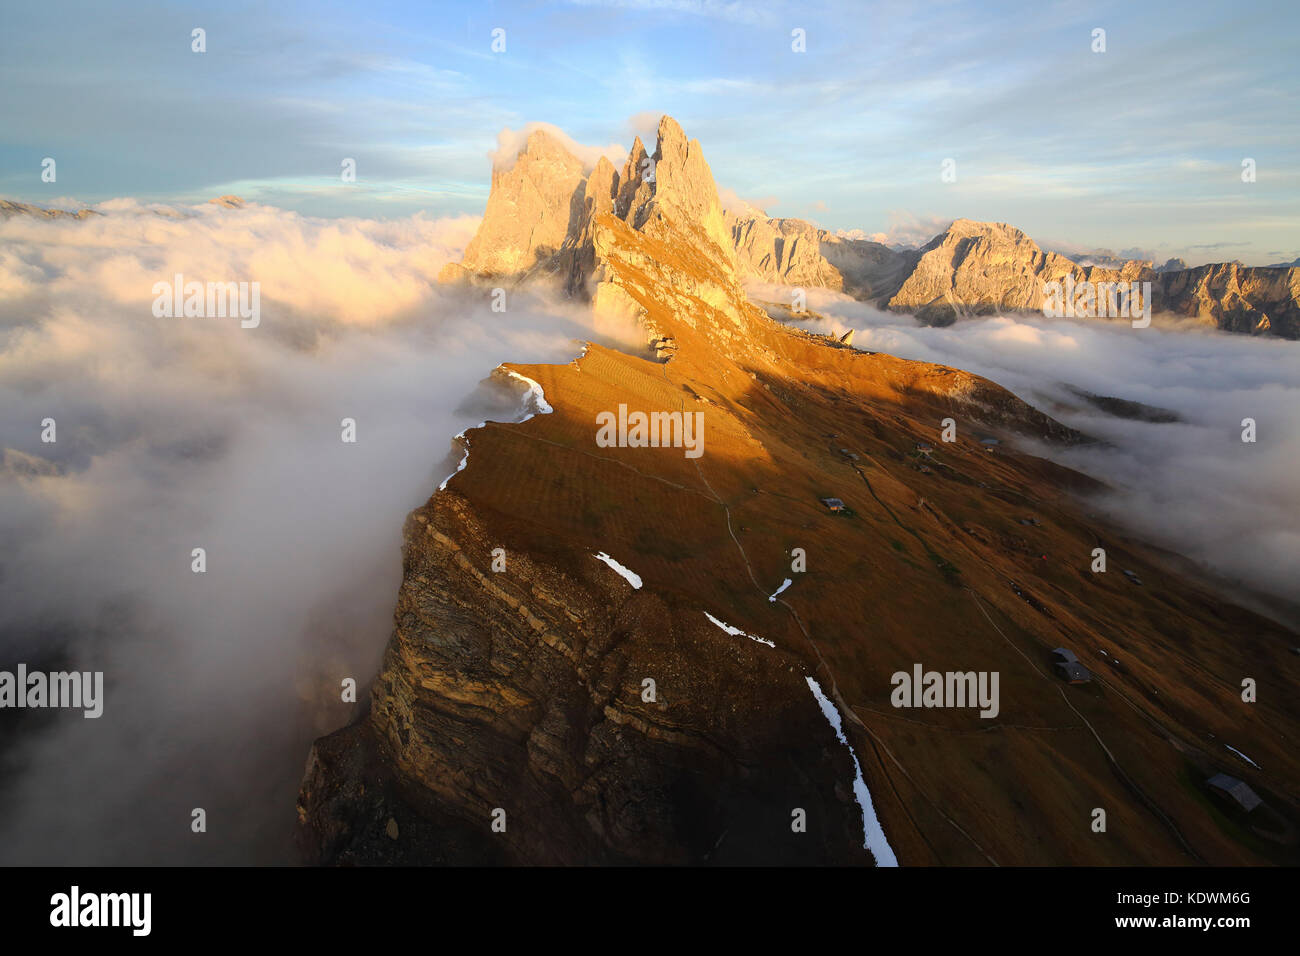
[(971, 268), (983, 268), (625, 654)]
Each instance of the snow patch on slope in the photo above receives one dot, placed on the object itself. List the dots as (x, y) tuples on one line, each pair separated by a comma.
[(1244, 757), (737, 632), (464, 460), (539, 402), (535, 391), (874, 834), (784, 584), (459, 468), (631, 577)]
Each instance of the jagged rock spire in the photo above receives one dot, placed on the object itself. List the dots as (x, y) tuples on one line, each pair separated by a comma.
[(542, 210), (533, 206)]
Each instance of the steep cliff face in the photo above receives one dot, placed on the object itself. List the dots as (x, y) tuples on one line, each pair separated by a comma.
[(982, 268), (533, 207), (1236, 298), (524, 690), (783, 250), (516, 677), (683, 189), (543, 211), (977, 268), (796, 253)]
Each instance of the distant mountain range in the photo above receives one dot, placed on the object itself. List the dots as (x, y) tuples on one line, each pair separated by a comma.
[(10, 208), (1108, 261), (980, 268)]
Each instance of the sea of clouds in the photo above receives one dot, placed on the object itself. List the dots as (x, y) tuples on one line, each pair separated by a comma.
[(177, 433), (1193, 485)]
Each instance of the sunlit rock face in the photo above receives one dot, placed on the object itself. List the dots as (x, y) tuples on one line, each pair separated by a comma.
[(985, 268)]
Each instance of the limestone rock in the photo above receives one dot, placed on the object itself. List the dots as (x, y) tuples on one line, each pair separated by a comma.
[(532, 208), (634, 191), (980, 268), (1235, 298), (546, 216), (786, 251), (797, 253), (683, 186)]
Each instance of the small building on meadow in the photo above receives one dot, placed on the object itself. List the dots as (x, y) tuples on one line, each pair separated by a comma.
[(833, 504), (1074, 673)]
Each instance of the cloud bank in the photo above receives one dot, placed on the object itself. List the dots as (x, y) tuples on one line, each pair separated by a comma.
[(183, 433), (510, 142)]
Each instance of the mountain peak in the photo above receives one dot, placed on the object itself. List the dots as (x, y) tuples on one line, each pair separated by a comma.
[(972, 228), (542, 142), (536, 196), (670, 134), (542, 209), (684, 183)]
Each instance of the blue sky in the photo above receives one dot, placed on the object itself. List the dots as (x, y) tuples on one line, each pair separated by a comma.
[(1138, 149)]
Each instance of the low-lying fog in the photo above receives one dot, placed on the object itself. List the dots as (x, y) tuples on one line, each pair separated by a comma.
[(182, 433)]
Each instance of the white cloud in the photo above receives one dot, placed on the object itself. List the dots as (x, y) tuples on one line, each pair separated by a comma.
[(745, 207), (510, 142), (905, 229), (192, 432)]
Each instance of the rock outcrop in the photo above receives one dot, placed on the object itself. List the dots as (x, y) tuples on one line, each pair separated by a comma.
[(534, 207), (981, 268), (1236, 298), (545, 212), (797, 253)]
